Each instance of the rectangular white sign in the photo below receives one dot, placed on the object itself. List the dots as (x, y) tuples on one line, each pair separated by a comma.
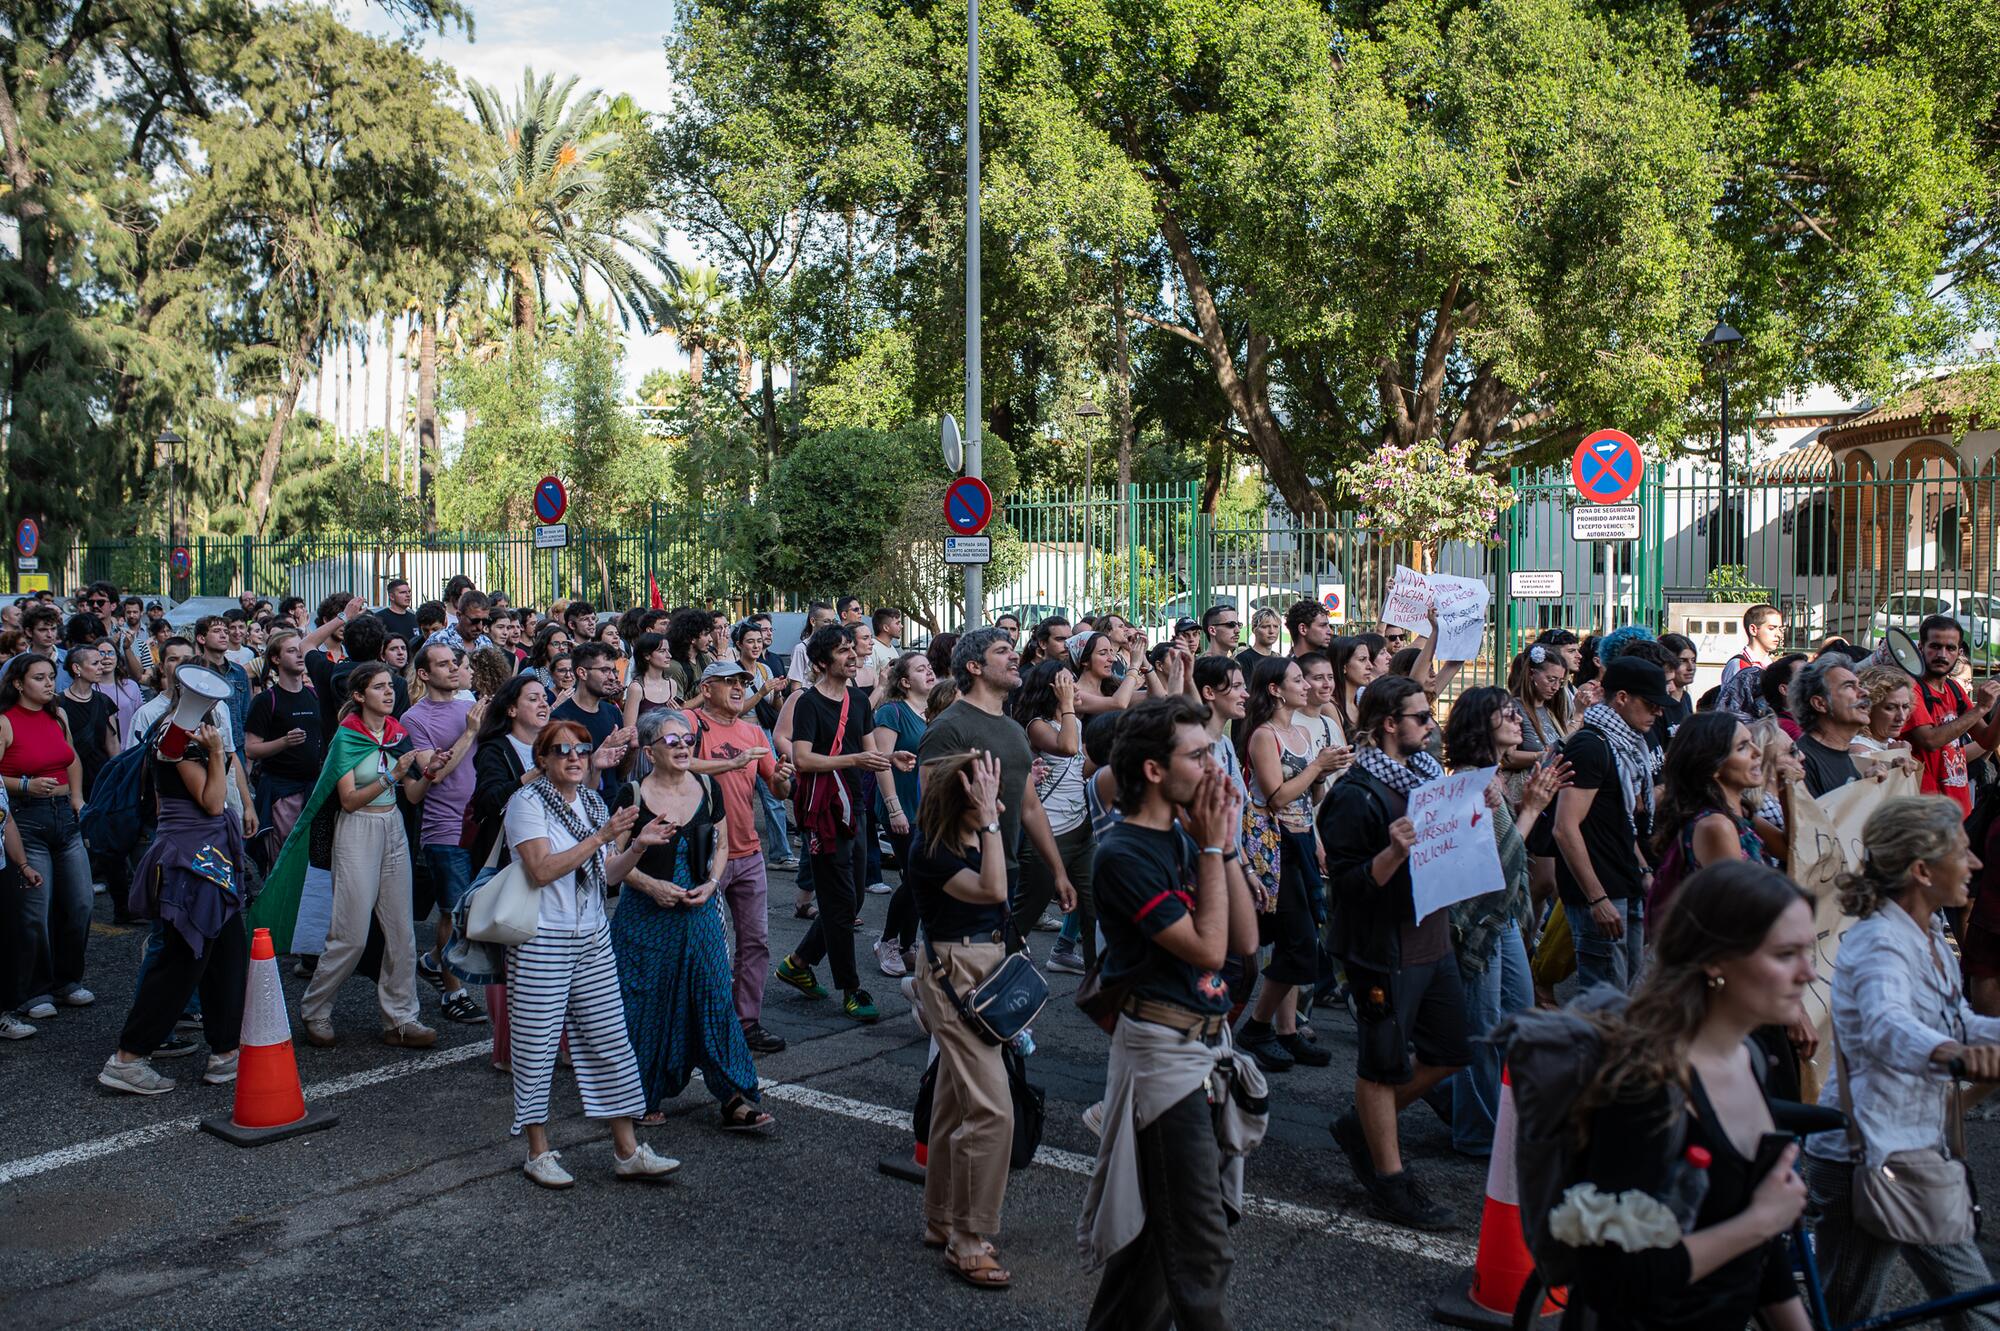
[(1408, 604), (1333, 595), (27, 565), (1604, 522), (1455, 856), (968, 549), (552, 538), (1535, 584), (1461, 611)]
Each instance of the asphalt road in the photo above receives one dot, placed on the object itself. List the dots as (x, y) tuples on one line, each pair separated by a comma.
[(412, 1212)]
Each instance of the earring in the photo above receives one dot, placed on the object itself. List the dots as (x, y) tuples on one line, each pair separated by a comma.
[(1716, 982)]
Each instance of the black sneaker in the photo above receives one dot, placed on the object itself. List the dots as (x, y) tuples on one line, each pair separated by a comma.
[(1353, 1144), (1398, 1199), (762, 1041), (174, 1046), (1303, 1051), (461, 1007), (432, 972), (1258, 1040)]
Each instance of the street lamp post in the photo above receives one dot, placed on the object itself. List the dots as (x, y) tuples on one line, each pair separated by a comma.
[(1722, 337), (167, 443), (975, 609)]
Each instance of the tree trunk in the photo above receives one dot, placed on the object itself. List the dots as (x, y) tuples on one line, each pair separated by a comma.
[(743, 369), (427, 423), (770, 422), (1122, 378), (388, 391), (521, 281), (347, 394), (697, 365), (281, 418)]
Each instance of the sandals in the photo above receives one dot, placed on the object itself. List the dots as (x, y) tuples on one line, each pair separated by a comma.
[(807, 911), (740, 1115), (935, 1238), (980, 1268)]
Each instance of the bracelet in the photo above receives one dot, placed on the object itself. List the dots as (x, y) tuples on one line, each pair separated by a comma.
[(1214, 850), (1231, 857), (1592, 901)]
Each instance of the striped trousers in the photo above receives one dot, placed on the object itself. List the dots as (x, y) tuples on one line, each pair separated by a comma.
[(557, 978)]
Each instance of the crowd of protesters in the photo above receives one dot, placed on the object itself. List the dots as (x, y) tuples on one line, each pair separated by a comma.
[(1215, 829)]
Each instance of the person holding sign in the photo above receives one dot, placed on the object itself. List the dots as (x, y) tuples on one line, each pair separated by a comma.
[(1281, 770), (1409, 1002)]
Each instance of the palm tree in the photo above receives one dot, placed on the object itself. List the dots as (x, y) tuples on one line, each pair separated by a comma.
[(548, 181), (701, 305)]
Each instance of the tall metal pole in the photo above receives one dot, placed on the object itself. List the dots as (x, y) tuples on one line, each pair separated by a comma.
[(975, 591), (1728, 516)]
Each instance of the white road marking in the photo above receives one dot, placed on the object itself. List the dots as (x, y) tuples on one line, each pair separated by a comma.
[(81, 1152), (1338, 1224)]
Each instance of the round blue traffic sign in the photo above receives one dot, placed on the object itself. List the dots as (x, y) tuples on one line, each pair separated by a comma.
[(968, 506), (1607, 467), (27, 538), (182, 560), (550, 499)]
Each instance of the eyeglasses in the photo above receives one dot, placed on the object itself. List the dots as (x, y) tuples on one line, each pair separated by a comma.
[(1422, 718), (676, 741), (571, 750)]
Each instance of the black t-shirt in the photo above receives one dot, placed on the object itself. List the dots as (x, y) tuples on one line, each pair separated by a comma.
[(944, 915), (600, 723), (1670, 721), (402, 625), (275, 713), (333, 693), (1143, 881), (1826, 768), (767, 708), (87, 722), (1607, 828), (167, 783), (1248, 659), (817, 717)]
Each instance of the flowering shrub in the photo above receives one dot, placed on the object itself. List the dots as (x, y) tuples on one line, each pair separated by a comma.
[(1427, 494)]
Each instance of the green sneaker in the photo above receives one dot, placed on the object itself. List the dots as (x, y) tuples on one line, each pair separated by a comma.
[(800, 978), (861, 1007)]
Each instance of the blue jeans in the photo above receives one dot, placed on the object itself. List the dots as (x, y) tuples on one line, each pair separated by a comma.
[(1503, 988), (451, 873), (53, 920), (1601, 959), (777, 844)]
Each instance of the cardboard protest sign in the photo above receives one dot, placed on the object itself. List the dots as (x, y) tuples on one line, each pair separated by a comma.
[(1408, 605), (1461, 611), (1455, 856)]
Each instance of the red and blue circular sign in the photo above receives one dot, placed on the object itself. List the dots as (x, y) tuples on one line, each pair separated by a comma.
[(968, 506), (182, 560), (27, 538), (1607, 467), (1334, 599), (550, 499)]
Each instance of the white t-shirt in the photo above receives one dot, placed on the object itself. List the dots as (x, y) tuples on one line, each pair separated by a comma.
[(564, 908), (1062, 793), (883, 656), (525, 752)]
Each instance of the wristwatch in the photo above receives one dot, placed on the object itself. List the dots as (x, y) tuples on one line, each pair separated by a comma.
[(994, 828)]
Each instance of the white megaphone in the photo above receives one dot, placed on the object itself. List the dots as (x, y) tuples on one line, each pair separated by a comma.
[(201, 689)]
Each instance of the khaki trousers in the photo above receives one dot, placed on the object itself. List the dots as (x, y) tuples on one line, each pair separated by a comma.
[(371, 877), (972, 1111)]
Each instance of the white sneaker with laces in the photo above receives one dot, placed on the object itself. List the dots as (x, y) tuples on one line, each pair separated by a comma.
[(77, 998), (545, 1170), (221, 1069), (643, 1163), (42, 1011), (137, 1077), (889, 959), (879, 889), (12, 1027), (1093, 1118)]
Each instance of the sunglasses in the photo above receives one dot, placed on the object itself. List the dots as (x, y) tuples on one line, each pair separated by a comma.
[(571, 750), (1422, 718), (675, 741), (1229, 623), (1395, 639), (477, 623)]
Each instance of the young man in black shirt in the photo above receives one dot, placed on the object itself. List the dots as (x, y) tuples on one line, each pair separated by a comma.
[(830, 723), (1604, 818), (397, 616), (600, 684), (1409, 1002), (1174, 907), (1825, 699), (282, 735)]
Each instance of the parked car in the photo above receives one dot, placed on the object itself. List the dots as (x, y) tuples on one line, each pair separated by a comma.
[(1029, 615), (1977, 613)]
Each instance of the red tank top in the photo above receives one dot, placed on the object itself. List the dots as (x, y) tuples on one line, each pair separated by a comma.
[(39, 747)]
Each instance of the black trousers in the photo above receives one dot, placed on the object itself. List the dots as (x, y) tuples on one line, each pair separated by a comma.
[(1176, 1273), (902, 922), (837, 879), (221, 972)]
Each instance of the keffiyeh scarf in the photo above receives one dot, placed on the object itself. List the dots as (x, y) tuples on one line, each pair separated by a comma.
[(589, 874), (1399, 777), (1635, 763)]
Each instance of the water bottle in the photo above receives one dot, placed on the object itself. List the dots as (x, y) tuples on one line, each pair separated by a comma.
[(1688, 1186), (1024, 1043)]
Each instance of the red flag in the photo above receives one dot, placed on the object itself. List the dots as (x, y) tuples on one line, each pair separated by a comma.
[(654, 585)]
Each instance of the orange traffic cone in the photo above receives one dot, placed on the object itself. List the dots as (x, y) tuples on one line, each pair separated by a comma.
[(270, 1105), (1503, 1265)]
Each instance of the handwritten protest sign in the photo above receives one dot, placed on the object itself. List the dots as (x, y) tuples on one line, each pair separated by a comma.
[(1408, 605), (1461, 611), (1455, 856), (1826, 842)]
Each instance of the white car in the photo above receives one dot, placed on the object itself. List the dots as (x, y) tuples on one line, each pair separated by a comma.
[(1977, 613)]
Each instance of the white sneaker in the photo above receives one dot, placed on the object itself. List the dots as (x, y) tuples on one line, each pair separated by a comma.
[(1051, 921), (221, 1069), (137, 1077), (13, 1028), (77, 998), (889, 957), (1093, 1118), (1066, 960), (99, 889), (43, 1010), (544, 1170), (879, 889), (643, 1163)]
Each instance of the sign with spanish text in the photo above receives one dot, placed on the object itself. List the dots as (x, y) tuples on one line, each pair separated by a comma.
[(1461, 612), (1408, 604), (1455, 855)]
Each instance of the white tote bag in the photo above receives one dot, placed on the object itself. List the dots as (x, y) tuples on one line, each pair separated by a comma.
[(505, 909)]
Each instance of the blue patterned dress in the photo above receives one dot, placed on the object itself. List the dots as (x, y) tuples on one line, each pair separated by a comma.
[(674, 975)]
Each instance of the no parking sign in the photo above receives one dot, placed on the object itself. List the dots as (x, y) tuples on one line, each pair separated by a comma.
[(1333, 595), (1607, 467)]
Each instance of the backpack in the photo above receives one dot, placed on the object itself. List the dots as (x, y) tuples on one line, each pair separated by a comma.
[(119, 812), (1551, 1056)]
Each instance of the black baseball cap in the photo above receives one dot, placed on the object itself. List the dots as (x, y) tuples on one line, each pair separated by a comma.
[(1641, 679)]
